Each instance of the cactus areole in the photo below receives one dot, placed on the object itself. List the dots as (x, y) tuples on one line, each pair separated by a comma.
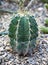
[(23, 32)]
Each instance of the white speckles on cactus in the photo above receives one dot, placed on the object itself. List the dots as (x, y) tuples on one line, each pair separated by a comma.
[(23, 30)]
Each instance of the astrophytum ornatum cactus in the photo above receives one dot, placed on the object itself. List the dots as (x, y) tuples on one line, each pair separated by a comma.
[(23, 32)]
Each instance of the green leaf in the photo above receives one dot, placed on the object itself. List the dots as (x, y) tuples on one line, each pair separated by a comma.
[(44, 29)]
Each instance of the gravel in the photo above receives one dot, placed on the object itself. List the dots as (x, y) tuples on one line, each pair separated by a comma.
[(7, 57), (40, 57)]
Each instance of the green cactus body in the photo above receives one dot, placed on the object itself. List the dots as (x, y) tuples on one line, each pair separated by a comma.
[(23, 32)]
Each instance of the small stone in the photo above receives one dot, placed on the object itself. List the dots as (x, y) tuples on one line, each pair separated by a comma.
[(17, 61), (9, 62), (8, 44), (38, 60), (41, 52), (25, 58), (37, 63), (47, 49), (44, 62), (3, 63), (36, 15), (5, 16), (44, 59), (40, 49), (44, 41), (1, 44), (40, 9), (7, 48), (46, 15), (2, 54), (31, 61), (45, 45), (5, 59), (1, 49)]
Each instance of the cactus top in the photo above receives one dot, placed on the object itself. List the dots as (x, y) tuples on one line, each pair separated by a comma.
[(23, 28)]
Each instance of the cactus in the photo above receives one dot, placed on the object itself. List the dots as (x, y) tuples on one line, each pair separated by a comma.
[(23, 32)]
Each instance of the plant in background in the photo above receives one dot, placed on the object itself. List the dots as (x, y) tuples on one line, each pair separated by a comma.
[(44, 29), (46, 5), (46, 22), (44, 1)]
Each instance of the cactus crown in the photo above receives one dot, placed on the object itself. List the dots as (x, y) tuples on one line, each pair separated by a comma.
[(22, 29)]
